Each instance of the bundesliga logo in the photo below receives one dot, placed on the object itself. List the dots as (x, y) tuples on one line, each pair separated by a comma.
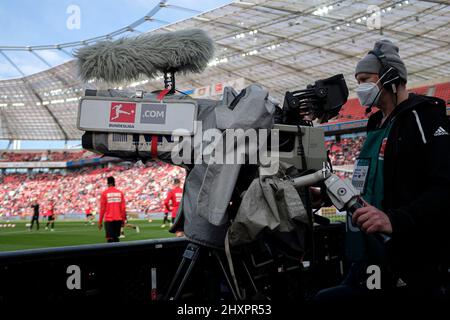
[(122, 112)]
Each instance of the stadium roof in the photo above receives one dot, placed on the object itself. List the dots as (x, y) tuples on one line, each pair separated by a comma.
[(282, 45)]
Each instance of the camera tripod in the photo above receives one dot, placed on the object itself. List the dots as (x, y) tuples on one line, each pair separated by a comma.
[(191, 257)]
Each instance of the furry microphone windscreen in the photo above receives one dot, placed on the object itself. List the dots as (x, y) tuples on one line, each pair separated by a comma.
[(128, 59)]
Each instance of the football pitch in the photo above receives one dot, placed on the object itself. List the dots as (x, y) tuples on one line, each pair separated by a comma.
[(70, 233)]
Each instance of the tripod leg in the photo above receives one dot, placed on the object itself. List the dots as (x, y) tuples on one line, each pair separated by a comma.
[(250, 277), (172, 283), (191, 253), (227, 278)]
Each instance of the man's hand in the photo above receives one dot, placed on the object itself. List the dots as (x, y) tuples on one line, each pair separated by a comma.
[(371, 220), (100, 226)]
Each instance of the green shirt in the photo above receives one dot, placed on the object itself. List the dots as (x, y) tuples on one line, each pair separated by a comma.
[(368, 178)]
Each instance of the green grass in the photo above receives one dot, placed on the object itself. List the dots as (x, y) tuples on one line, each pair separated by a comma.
[(70, 233), (336, 217)]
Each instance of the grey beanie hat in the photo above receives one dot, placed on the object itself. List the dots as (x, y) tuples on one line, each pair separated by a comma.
[(371, 64)]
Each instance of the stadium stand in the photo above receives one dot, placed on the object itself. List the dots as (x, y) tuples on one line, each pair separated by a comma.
[(420, 90), (345, 151), (48, 155), (352, 110), (144, 187), (443, 92)]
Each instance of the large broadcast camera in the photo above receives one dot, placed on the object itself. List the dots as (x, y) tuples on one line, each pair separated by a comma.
[(109, 133), (217, 209)]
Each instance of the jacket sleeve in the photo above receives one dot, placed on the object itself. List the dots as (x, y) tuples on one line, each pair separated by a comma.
[(102, 207), (431, 207), (123, 207), (167, 201)]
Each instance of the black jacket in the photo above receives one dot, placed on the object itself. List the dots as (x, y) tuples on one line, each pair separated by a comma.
[(417, 187)]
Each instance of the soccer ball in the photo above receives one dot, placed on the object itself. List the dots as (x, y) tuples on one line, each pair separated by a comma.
[(28, 225)]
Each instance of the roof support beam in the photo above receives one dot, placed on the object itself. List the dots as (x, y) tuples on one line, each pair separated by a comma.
[(289, 39), (130, 27), (59, 78), (15, 66), (66, 52), (30, 86)]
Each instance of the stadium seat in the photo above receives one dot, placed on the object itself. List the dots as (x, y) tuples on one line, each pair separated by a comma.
[(443, 92)]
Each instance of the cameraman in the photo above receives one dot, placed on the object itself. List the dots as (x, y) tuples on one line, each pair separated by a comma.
[(403, 174)]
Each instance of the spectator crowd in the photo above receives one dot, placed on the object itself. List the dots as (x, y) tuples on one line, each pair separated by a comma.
[(46, 156), (144, 185), (345, 151)]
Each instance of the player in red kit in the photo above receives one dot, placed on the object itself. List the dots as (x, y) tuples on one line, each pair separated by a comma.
[(173, 199), (51, 217), (89, 216), (112, 211), (165, 219)]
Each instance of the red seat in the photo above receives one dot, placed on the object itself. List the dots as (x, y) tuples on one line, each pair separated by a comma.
[(443, 92), (420, 90)]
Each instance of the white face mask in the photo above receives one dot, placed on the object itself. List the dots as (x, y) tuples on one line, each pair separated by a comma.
[(368, 94)]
